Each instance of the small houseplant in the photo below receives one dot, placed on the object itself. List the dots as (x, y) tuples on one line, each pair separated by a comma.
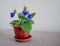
[(23, 25)]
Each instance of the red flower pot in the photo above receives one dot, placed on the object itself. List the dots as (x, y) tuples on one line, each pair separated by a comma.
[(20, 33)]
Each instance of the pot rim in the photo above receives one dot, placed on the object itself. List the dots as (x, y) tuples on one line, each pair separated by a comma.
[(15, 25)]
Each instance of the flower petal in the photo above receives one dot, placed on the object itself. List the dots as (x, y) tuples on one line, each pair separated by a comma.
[(29, 16), (12, 14), (24, 12)]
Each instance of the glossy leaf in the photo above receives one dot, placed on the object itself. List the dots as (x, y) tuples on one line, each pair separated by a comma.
[(15, 22), (30, 22), (26, 27), (33, 14), (20, 16)]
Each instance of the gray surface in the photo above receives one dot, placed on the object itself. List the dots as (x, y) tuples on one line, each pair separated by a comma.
[(39, 39)]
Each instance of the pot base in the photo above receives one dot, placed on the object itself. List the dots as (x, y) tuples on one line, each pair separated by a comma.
[(24, 39)]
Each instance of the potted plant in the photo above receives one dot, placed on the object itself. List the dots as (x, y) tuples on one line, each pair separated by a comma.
[(23, 25)]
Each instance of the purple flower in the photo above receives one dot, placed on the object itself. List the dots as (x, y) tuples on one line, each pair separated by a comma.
[(24, 12), (12, 14), (29, 16)]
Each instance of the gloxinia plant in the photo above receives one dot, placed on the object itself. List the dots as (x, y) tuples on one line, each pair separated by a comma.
[(24, 19)]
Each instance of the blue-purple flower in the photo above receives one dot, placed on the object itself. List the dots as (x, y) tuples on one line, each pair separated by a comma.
[(29, 16), (13, 13), (26, 13)]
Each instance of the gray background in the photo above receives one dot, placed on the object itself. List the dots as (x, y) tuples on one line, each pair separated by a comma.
[(47, 13)]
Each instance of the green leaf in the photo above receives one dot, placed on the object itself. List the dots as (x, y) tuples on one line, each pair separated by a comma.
[(30, 22), (15, 22), (26, 27), (33, 14), (20, 16)]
